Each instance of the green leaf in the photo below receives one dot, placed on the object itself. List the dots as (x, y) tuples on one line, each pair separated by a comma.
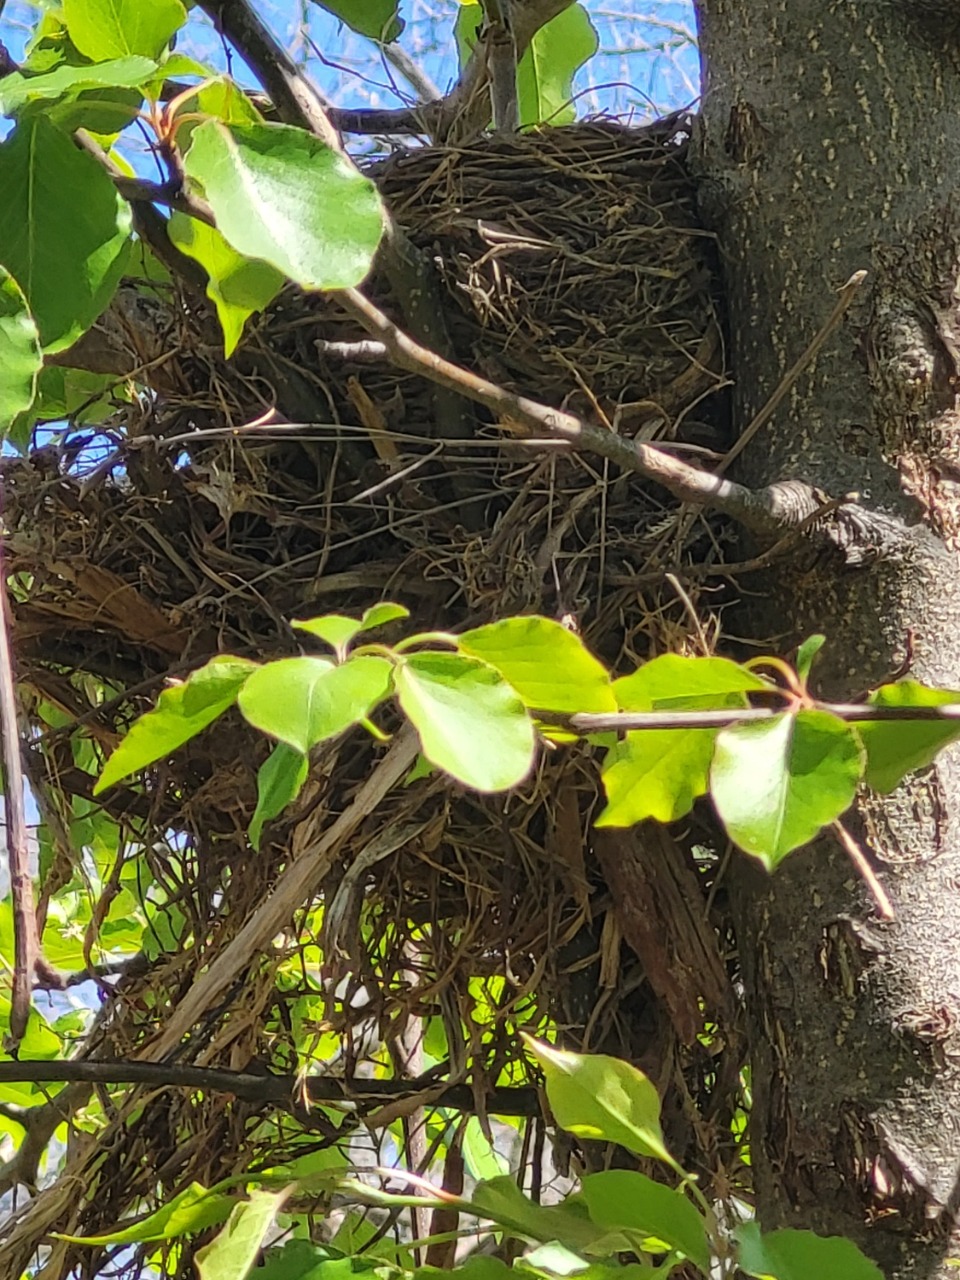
[(66, 254), (620, 1199), (180, 714), (800, 1255), (232, 1254), (602, 1098), (546, 71), (279, 780), (547, 665), (470, 721), (897, 747), (378, 19), (191, 1211), (655, 773), (675, 683), (337, 630), (103, 29), (20, 357), (481, 1158), (477, 1266), (303, 701), (502, 1201), (237, 286), (776, 783), (278, 193), (807, 654), (18, 89), (303, 1260)]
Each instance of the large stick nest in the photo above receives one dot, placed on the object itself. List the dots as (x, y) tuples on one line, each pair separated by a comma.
[(570, 267)]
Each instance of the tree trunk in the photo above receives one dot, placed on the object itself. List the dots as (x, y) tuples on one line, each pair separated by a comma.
[(830, 142)]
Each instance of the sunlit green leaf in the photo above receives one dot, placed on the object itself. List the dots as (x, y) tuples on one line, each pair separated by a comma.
[(897, 747), (337, 630), (181, 713), (378, 19), (676, 683), (232, 1254), (279, 194), (20, 357), (103, 29), (776, 783), (800, 1255), (279, 780), (602, 1098), (470, 721), (621, 1199), (807, 654), (17, 89), (191, 1211), (655, 773), (546, 663), (481, 1158), (66, 254), (303, 701), (237, 286)]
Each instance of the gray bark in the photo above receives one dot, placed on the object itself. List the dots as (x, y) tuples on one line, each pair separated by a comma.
[(830, 142)]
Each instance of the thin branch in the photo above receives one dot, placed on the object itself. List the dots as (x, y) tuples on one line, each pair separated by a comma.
[(858, 858), (854, 712), (26, 939), (790, 377), (284, 1091)]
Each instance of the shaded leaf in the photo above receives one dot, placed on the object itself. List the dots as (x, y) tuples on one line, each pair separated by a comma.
[(103, 29), (547, 664), (546, 71), (620, 1199), (502, 1201), (470, 721), (800, 1255), (279, 194), (279, 780), (776, 783), (20, 358), (237, 286), (303, 701), (378, 19), (187, 1213), (896, 747), (602, 1098), (232, 1254), (303, 1260), (64, 230), (180, 714)]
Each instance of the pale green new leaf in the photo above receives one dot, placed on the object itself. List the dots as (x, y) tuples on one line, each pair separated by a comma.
[(378, 19), (776, 783), (622, 1199), (471, 722), (232, 1254), (236, 285), (278, 193), (194, 1209), (337, 630), (547, 664), (897, 747), (102, 29), (303, 701), (20, 357), (119, 73), (602, 1098), (279, 780), (64, 230), (180, 714), (800, 1255)]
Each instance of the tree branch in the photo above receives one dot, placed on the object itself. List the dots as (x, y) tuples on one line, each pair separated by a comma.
[(283, 1091), (628, 721)]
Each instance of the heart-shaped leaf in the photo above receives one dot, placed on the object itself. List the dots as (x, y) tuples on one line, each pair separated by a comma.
[(303, 701)]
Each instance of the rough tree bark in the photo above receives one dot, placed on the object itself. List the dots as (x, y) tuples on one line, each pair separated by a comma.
[(829, 142)]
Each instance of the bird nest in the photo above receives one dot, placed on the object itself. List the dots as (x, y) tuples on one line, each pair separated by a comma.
[(304, 476)]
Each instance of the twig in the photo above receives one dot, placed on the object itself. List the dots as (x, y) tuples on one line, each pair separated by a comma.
[(852, 712), (501, 53), (277, 1089), (26, 940), (792, 374), (858, 858)]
